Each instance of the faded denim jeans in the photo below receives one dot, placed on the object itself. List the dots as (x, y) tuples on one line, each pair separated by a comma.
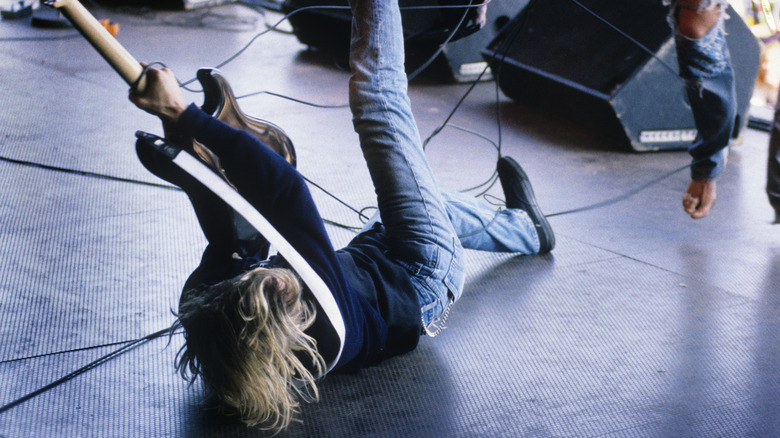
[(425, 229), (773, 163), (419, 232), (705, 65)]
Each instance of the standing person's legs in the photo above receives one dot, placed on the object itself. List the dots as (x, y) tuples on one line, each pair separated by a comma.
[(773, 165), (705, 65), (410, 205)]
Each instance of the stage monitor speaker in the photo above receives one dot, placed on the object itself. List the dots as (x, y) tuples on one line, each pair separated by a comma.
[(461, 60), (425, 30), (559, 56)]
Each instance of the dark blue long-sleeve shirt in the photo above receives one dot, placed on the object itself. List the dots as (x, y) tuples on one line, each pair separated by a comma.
[(373, 293)]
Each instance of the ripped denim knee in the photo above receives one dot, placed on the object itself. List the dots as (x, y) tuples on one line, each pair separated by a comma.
[(705, 57)]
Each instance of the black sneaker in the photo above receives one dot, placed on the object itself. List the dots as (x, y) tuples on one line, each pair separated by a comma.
[(519, 194)]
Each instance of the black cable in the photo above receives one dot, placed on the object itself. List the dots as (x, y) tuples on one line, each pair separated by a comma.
[(622, 197), (491, 181), (455, 109), (238, 53), (85, 368), (86, 173), (503, 51), (212, 20), (71, 350), (282, 96), (44, 38), (626, 36), (320, 7), (433, 57), (170, 187), (360, 214)]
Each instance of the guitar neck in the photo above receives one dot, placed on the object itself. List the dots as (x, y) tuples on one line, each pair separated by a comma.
[(120, 59)]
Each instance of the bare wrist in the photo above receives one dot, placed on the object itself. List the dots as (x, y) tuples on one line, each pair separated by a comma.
[(173, 113)]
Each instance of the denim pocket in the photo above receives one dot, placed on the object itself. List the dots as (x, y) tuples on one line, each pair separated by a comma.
[(431, 291)]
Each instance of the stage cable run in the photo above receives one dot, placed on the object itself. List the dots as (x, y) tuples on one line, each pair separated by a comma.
[(128, 345)]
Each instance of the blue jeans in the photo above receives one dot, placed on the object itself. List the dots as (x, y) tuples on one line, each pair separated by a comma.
[(482, 227), (705, 65), (773, 164), (419, 232), (421, 227)]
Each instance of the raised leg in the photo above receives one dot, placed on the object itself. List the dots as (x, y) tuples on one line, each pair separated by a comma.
[(409, 201)]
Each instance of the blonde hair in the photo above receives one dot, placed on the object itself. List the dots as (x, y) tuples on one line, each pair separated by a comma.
[(245, 338)]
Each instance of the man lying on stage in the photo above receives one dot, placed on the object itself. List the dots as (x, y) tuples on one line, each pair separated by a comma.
[(254, 333)]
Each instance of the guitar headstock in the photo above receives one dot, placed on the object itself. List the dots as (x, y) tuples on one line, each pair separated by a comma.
[(102, 40)]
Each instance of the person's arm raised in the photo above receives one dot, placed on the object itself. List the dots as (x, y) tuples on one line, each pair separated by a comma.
[(162, 97)]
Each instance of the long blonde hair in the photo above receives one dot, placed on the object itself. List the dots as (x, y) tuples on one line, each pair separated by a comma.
[(245, 338)]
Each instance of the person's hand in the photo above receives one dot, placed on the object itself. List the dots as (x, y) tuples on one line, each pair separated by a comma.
[(699, 198), (162, 97), (480, 15)]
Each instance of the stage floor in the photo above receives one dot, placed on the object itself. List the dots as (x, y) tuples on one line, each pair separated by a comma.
[(641, 322)]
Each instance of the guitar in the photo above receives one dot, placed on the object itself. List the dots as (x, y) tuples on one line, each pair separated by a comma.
[(219, 100)]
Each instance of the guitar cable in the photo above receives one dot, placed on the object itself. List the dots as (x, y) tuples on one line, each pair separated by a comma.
[(127, 345)]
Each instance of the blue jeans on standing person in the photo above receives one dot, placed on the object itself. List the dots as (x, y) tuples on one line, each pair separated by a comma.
[(705, 65), (773, 164), (422, 228)]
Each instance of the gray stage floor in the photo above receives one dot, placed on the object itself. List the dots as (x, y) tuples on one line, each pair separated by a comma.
[(642, 322)]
